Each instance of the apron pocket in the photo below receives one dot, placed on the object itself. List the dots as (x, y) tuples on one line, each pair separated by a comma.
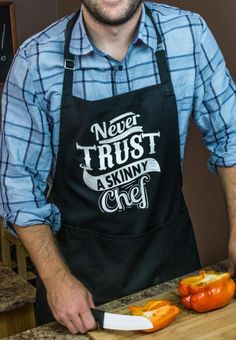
[(112, 266)]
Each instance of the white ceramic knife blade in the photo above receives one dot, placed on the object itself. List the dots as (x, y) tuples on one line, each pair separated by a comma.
[(126, 322), (121, 321)]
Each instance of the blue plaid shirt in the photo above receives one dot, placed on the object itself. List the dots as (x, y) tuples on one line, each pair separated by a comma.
[(32, 97)]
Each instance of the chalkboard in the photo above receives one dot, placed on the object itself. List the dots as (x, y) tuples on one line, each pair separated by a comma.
[(7, 38)]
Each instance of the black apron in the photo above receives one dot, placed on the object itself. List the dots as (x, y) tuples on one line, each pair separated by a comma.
[(118, 185)]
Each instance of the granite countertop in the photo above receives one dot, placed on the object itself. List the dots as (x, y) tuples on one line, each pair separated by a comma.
[(15, 292), (55, 331)]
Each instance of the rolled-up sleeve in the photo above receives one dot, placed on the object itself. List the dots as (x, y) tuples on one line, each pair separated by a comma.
[(26, 152), (215, 102)]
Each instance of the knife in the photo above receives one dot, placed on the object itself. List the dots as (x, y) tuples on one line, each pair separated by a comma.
[(121, 322)]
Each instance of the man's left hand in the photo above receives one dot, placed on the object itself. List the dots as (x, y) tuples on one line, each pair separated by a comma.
[(232, 255), (228, 180)]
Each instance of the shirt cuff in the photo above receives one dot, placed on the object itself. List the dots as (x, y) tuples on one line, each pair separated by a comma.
[(48, 214), (224, 162)]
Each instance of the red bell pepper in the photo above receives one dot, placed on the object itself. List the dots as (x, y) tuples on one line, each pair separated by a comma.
[(207, 291)]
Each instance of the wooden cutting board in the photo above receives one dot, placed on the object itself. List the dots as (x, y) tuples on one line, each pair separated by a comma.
[(188, 325)]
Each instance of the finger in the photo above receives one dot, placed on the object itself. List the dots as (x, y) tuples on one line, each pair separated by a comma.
[(87, 318), (71, 327), (92, 305), (90, 300), (78, 324)]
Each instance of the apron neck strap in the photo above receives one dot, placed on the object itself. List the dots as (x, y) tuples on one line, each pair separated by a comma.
[(160, 54), (69, 58)]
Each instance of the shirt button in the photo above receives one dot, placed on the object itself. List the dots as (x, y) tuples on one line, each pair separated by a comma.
[(120, 67)]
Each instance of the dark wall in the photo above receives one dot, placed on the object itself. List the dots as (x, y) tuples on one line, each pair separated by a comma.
[(67, 6), (33, 15)]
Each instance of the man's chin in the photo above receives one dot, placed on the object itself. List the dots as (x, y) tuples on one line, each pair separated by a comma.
[(112, 12)]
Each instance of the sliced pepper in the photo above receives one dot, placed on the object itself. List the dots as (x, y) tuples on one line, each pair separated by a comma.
[(207, 291), (159, 312)]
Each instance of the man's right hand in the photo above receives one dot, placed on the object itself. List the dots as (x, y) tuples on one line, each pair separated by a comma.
[(69, 300), (70, 303)]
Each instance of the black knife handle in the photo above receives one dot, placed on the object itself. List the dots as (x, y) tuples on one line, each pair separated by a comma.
[(98, 316)]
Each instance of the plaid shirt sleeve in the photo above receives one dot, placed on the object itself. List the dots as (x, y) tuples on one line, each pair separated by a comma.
[(26, 154), (215, 103)]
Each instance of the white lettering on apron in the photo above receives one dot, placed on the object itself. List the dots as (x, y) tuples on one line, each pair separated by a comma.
[(120, 141)]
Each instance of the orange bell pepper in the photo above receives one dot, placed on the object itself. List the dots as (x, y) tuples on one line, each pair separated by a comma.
[(159, 312), (207, 291)]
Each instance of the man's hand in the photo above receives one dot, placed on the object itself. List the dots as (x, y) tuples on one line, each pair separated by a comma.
[(232, 255), (228, 180), (68, 299), (70, 303)]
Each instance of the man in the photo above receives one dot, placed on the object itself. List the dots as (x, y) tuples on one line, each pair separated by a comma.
[(99, 104)]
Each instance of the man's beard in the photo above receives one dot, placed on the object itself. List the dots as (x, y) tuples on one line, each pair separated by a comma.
[(96, 10)]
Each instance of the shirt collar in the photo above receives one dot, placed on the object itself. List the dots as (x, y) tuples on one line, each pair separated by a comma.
[(146, 32), (81, 44)]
